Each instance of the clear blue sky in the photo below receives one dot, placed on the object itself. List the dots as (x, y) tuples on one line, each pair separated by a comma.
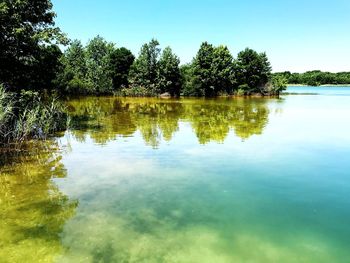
[(297, 35)]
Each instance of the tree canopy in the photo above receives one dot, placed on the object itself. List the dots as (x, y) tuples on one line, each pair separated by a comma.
[(215, 71), (252, 71), (97, 68), (121, 60), (144, 69), (156, 71), (169, 75), (26, 27)]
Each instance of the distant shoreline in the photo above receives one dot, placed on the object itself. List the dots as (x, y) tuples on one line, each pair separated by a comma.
[(324, 85)]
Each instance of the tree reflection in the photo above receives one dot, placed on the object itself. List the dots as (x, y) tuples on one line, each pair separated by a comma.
[(105, 119), (33, 210)]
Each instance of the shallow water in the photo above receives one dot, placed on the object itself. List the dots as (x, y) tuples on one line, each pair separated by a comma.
[(190, 180)]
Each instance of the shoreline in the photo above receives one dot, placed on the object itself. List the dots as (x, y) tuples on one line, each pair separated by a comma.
[(324, 85)]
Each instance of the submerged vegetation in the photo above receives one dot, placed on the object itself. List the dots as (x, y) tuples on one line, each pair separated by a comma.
[(33, 209)]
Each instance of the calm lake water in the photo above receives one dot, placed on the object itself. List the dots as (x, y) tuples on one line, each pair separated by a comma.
[(321, 90), (189, 180)]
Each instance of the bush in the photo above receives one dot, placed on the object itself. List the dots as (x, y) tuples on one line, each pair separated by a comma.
[(240, 92), (243, 89), (276, 85), (77, 86)]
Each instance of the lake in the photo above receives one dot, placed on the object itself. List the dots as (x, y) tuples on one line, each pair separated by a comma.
[(188, 180)]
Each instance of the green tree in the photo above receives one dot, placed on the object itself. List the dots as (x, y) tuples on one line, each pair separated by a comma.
[(202, 83), (72, 76), (98, 52), (145, 68), (212, 71), (121, 60), (75, 59), (26, 26), (44, 72), (222, 70), (186, 71), (169, 76), (252, 71)]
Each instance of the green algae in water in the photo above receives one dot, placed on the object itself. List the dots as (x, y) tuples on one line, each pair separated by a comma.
[(191, 180), (33, 211)]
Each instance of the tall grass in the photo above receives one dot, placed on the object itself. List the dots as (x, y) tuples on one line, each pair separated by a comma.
[(27, 115)]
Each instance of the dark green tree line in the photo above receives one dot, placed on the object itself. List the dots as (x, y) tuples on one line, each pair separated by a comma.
[(316, 78), (97, 68)]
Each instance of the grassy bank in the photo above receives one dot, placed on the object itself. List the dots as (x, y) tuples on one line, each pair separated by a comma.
[(27, 115)]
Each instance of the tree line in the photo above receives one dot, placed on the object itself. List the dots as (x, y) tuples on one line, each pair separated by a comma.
[(315, 78), (101, 68), (32, 60)]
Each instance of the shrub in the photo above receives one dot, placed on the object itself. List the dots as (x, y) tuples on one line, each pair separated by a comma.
[(276, 85), (240, 92)]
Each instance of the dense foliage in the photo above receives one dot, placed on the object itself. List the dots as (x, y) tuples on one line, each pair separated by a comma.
[(101, 68), (28, 39), (155, 71), (121, 60), (214, 71), (169, 75), (211, 73), (316, 78), (92, 69), (252, 71)]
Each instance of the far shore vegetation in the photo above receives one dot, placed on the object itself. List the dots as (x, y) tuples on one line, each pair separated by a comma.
[(316, 78), (34, 69)]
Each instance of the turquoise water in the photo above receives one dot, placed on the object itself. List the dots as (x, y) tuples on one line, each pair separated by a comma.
[(321, 90), (190, 180)]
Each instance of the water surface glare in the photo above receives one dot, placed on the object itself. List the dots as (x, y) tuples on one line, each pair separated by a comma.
[(189, 180)]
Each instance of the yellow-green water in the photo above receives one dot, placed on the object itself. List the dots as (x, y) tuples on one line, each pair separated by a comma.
[(190, 180)]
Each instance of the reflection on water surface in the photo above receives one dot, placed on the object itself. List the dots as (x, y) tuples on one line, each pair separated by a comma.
[(211, 120)]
